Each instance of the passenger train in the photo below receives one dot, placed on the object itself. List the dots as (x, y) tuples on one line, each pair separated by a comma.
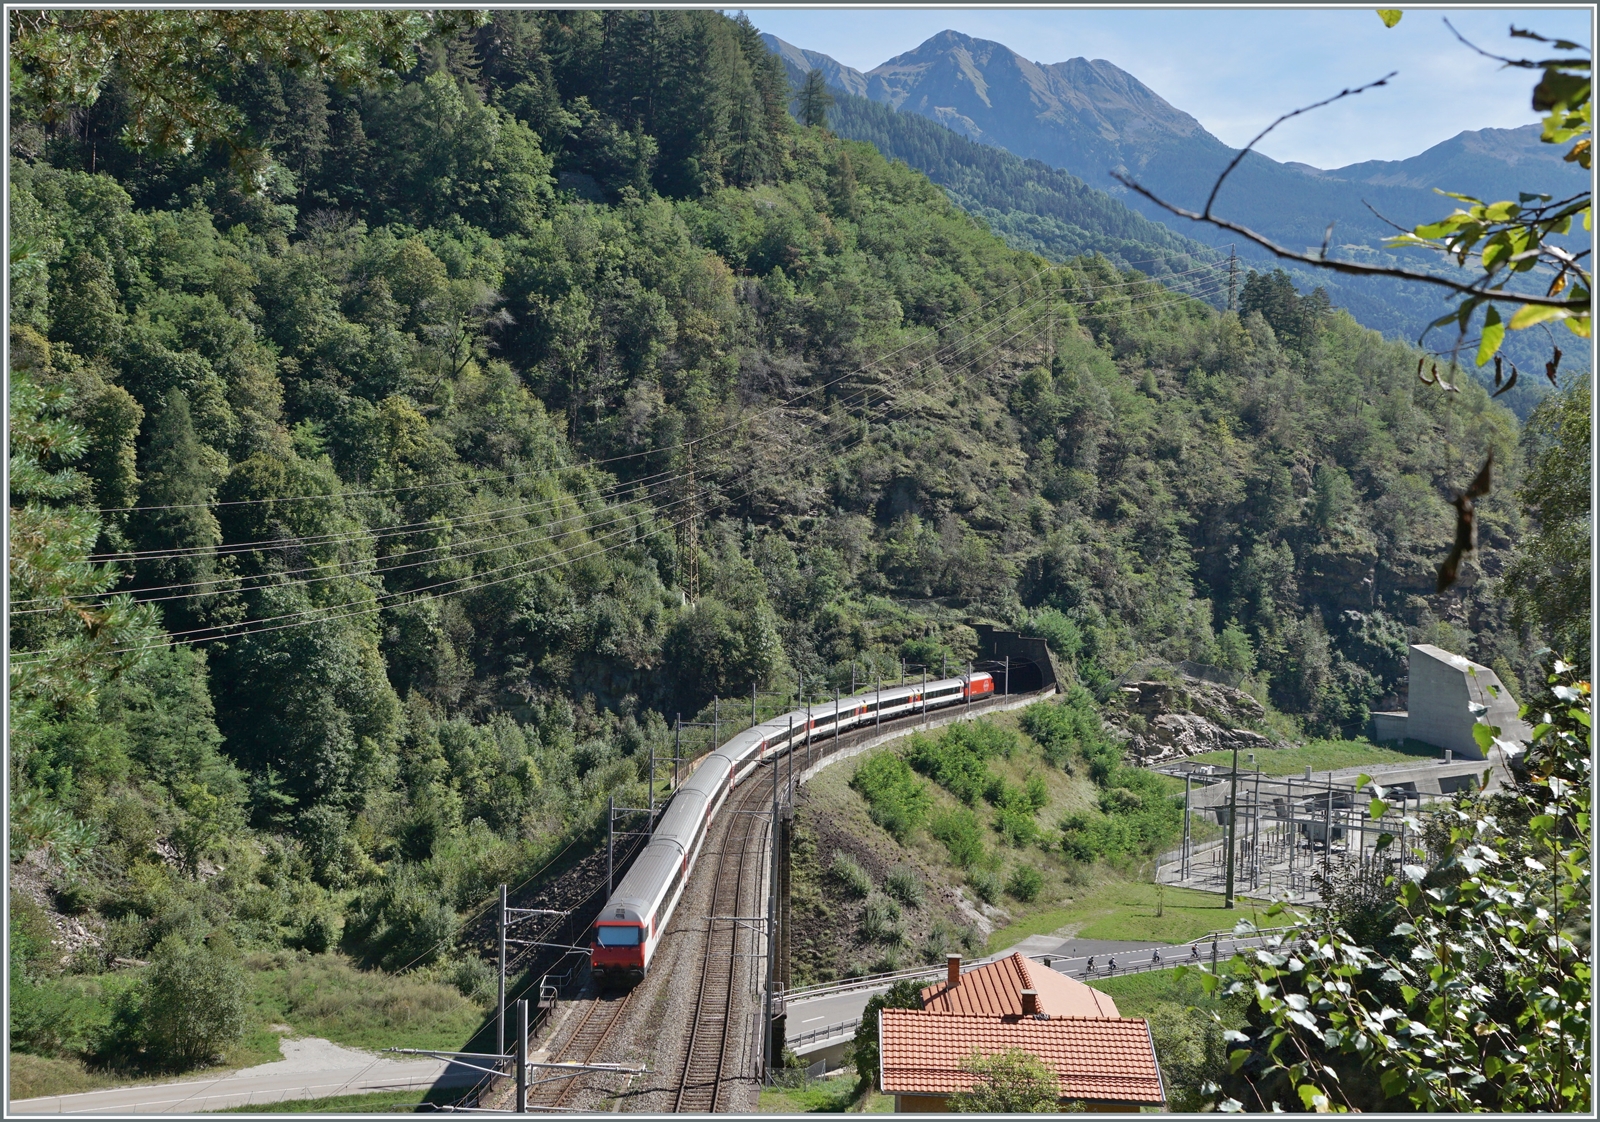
[(633, 920)]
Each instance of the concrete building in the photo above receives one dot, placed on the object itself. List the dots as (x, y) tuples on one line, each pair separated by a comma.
[(1445, 688)]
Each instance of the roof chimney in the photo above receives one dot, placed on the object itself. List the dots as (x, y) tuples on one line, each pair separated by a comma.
[(1030, 1003), (953, 966)]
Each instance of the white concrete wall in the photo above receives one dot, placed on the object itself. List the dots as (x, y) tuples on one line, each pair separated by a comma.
[(1443, 686)]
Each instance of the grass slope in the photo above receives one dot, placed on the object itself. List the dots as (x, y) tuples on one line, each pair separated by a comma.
[(1105, 900), (379, 1102), (313, 995), (1122, 908), (1327, 755)]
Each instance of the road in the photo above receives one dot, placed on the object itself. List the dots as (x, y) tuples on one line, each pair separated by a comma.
[(311, 1068), (808, 1017)]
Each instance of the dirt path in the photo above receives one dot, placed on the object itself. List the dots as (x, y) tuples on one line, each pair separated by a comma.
[(311, 1068)]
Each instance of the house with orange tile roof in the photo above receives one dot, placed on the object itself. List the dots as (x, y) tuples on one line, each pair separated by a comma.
[(1104, 1061), (995, 989)]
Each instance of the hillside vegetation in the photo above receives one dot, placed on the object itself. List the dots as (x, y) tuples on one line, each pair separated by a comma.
[(371, 518), (958, 108), (970, 839)]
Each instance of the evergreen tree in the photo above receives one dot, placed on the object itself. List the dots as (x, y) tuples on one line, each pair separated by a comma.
[(814, 100), (175, 526)]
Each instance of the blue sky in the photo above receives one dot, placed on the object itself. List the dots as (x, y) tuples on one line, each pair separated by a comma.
[(1235, 70)]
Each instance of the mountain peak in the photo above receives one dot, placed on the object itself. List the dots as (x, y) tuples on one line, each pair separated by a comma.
[(990, 89), (798, 62)]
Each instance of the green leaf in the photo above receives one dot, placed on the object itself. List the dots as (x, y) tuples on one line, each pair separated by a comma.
[(1536, 313), (1377, 808), (1556, 88), (1390, 16)]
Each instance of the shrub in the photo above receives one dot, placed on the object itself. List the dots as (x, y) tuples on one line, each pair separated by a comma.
[(942, 938), (323, 837), (1016, 828), (848, 872), (193, 1003), (1038, 793), (985, 884), (956, 761), (315, 932), (898, 801), (1190, 1047), (1025, 883), (1062, 633), (961, 834), (1072, 726), (880, 921), (54, 1016), (905, 994), (1014, 816), (904, 885), (402, 922), (473, 978), (961, 773), (1013, 1082)]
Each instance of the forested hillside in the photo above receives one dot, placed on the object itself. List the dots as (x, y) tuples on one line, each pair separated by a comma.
[(1035, 207), (370, 519), (1083, 118)]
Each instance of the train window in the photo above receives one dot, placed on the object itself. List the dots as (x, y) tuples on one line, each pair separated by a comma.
[(617, 935)]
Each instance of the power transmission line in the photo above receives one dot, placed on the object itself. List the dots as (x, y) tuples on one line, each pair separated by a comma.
[(630, 455), (382, 600), (379, 602)]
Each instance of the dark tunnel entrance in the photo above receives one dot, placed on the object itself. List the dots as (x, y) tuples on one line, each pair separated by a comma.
[(1028, 658), (1026, 675)]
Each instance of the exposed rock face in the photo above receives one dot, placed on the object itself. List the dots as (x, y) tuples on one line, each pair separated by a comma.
[(1183, 718)]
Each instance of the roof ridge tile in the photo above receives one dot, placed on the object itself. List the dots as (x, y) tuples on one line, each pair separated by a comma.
[(1022, 968)]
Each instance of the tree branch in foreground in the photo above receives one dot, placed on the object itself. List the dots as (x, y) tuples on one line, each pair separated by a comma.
[(1351, 267), (1480, 289)]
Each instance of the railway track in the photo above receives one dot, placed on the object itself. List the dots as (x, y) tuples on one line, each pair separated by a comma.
[(594, 1028), (712, 1029)]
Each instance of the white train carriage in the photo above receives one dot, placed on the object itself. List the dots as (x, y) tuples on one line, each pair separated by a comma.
[(633, 920)]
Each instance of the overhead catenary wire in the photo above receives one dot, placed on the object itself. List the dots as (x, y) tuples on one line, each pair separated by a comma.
[(661, 478), (392, 530), (494, 514), (660, 481), (375, 565), (380, 601), (594, 463)]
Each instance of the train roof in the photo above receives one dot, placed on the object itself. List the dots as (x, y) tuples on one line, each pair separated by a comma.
[(682, 816), (636, 895)]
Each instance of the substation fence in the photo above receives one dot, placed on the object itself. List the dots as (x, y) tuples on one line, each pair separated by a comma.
[(1286, 834)]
